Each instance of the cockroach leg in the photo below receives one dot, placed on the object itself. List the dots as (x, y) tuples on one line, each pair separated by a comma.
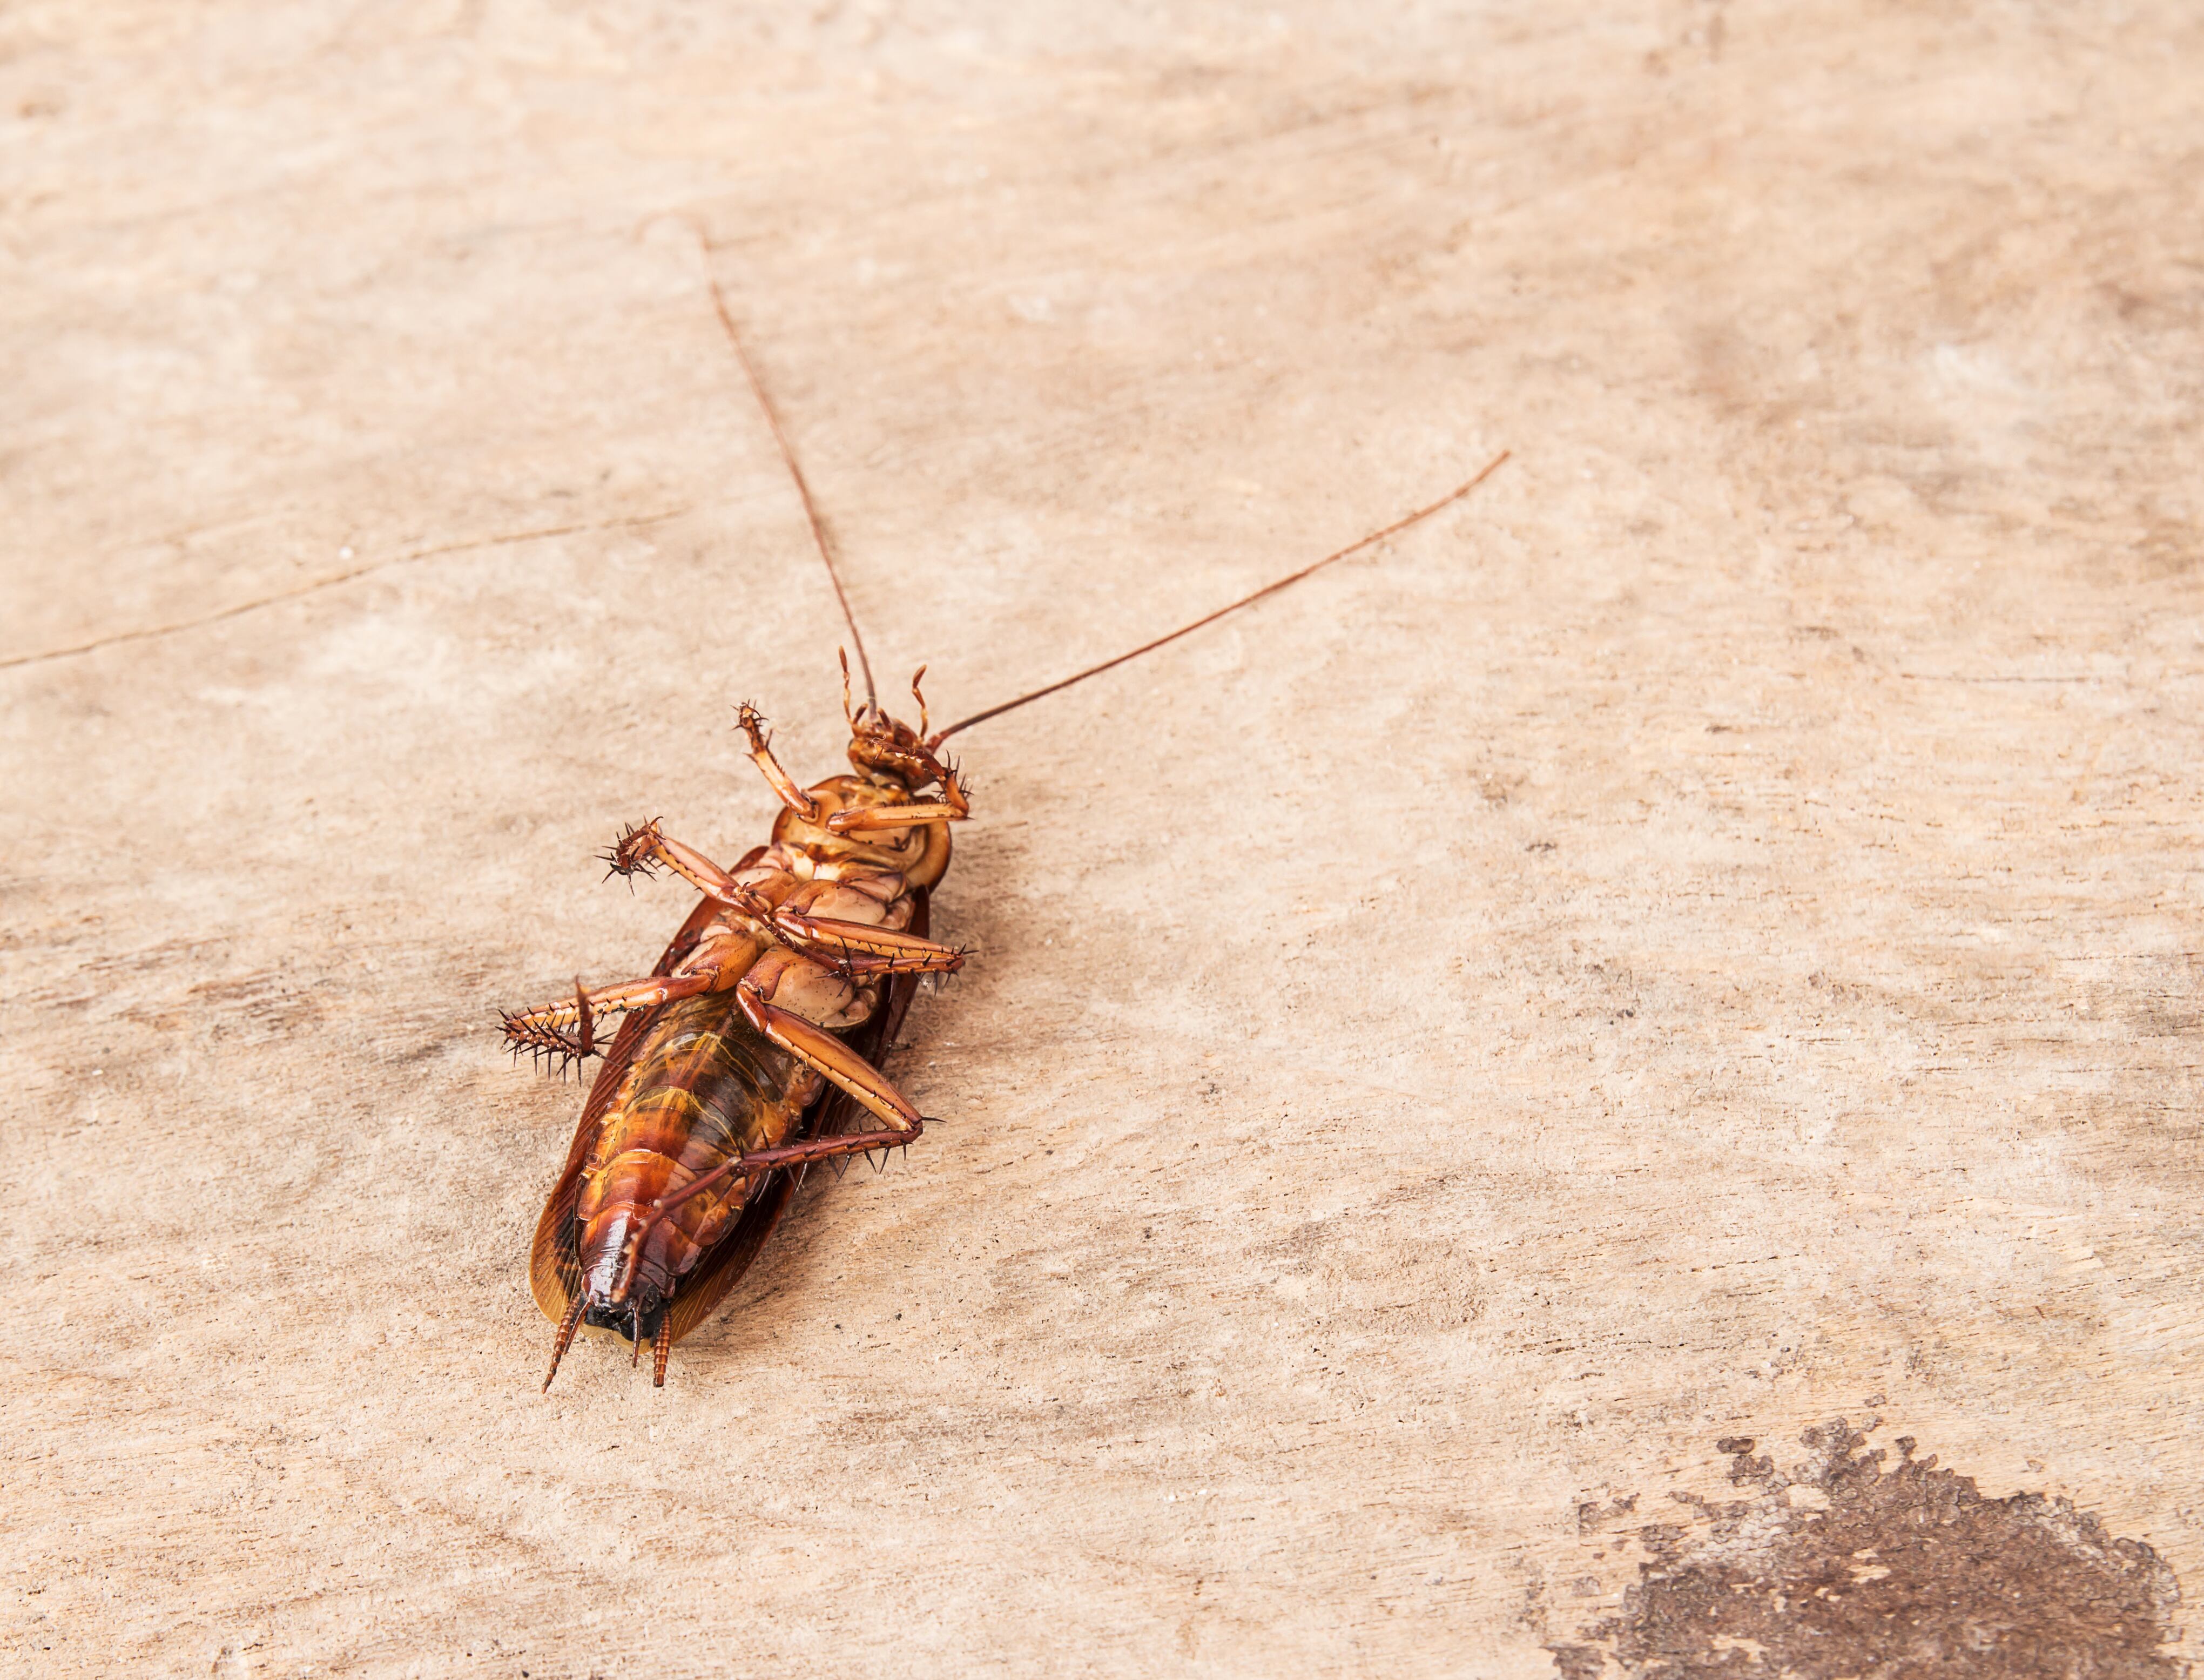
[(857, 969), (783, 783), (541, 1039), (633, 853), (877, 950), (864, 819), (760, 1162), (829, 1057), (955, 790), (642, 849), (543, 1030), (837, 1149), (632, 1255), (566, 1336)]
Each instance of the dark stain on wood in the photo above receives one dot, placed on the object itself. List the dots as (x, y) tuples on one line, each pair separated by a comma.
[(1853, 1568)]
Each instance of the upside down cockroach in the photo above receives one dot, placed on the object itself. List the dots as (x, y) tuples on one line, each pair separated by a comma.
[(753, 1049)]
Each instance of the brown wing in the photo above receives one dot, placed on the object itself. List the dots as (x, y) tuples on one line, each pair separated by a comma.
[(830, 1113), (554, 1262)]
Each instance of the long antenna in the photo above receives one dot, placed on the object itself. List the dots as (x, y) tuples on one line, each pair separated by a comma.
[(1447, 501), (796, 472)]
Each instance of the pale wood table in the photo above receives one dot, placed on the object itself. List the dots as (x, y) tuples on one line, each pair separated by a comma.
[(1699, 941)]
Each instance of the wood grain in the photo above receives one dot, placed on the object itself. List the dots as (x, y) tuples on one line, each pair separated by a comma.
[(1698, 942)]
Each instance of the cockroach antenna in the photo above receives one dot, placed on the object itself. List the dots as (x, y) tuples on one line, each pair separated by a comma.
[(850, 617), (1271, 588), (796, 472)]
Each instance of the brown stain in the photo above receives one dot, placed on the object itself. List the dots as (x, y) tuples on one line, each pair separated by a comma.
[(1852, 1568)]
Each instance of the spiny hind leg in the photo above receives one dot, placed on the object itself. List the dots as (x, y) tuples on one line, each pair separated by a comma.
[(567, 1032)]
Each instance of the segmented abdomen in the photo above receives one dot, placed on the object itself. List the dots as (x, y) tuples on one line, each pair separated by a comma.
[(704, 1085)]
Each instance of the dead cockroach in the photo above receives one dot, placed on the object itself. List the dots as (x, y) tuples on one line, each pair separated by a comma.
[(753, 1049)]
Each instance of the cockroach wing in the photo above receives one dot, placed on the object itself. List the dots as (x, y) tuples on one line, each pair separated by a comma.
[(830, 1113), (554, 1262)]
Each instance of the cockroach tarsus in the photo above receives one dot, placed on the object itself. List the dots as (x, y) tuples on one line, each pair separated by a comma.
[(752, 1051)]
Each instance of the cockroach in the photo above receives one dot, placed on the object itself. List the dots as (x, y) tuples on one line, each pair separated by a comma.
[(753, 1050)]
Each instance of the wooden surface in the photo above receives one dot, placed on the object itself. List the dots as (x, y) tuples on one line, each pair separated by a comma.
[(1698, 942)]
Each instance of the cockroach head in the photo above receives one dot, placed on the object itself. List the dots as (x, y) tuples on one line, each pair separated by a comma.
[(883, 746)]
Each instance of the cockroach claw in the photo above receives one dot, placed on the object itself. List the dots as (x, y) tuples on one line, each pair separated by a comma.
[(632, 854)]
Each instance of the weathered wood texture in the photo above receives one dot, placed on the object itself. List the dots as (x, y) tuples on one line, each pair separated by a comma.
[(1699, 941)]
